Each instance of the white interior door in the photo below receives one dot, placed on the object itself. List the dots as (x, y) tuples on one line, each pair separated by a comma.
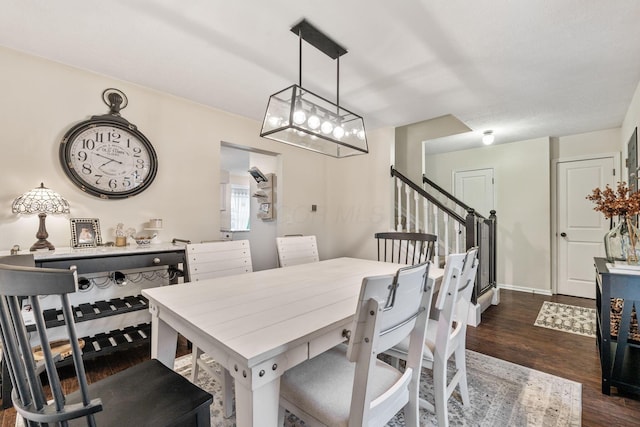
[(475, 188), (580, 229)]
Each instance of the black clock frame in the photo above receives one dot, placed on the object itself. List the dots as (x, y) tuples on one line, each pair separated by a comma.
[(117, 122)]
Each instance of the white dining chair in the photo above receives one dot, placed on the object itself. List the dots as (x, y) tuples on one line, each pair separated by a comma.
[(294, 250), (206, 261), (446, 336), (349, 385)]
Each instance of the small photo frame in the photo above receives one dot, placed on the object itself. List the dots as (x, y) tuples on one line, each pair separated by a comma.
[(85, 232)]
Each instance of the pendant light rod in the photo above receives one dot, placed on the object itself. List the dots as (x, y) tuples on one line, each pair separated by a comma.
[(323, 43), (338, 84), (300, 57)]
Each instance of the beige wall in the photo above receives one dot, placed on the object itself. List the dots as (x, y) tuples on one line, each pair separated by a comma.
[(522, 200), (44, 99), (409, 142), (604, 141), (361, 197)]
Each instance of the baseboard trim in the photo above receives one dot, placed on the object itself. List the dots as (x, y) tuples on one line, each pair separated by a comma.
[(489, 298), (474, 316), (524, 289)]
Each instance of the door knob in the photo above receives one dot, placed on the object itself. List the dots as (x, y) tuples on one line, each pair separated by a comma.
[(563, 234)]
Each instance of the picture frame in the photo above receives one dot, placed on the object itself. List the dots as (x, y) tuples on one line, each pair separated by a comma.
[(85, 232)]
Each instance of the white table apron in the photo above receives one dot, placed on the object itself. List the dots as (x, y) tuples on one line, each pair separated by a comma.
[(258, 325)]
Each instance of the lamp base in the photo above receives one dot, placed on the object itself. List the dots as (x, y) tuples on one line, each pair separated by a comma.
[(42, 235), (42, 244)]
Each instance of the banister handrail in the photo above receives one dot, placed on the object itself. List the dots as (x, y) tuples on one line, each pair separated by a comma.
[(407, 181), (449, 195), (472, 228)]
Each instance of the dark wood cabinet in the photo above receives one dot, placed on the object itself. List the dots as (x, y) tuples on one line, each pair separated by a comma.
[(101, 317), (619, 356)]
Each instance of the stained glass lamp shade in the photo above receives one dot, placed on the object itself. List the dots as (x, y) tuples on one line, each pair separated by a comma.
[(41, 201)]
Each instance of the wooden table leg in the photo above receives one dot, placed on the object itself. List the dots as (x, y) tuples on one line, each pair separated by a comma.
[(164, 339), (257, 408)]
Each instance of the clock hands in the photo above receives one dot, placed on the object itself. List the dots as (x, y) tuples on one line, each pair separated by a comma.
[(108, 158)]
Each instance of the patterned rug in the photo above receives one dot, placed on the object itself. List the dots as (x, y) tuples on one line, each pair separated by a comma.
[(567, 318), (502, 394)]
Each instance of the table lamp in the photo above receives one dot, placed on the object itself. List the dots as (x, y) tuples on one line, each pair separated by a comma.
[(43, 201)]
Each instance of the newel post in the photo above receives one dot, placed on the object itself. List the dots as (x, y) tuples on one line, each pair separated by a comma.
[(471, 227), (493, 248)]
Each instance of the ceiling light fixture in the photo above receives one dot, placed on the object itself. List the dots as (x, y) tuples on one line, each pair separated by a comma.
[(298, 117), (488, 137)]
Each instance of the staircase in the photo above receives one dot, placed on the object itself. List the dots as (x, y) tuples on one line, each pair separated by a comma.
[(431, 209)]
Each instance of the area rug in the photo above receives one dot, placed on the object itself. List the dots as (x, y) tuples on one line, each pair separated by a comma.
[(502, 394), (567, 318)]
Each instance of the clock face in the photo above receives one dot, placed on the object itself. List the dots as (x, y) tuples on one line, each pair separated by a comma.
[(108, 159)]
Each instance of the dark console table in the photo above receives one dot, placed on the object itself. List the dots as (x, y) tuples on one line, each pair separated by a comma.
[(619, 356), (107, 330)]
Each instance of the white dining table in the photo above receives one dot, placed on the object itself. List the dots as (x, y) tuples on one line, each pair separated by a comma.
[(260, 324)]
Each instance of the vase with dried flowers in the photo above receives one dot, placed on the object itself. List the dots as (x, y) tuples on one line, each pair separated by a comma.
[(620, 242)]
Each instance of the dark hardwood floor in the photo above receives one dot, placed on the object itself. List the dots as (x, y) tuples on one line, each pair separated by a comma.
[(507, 332)]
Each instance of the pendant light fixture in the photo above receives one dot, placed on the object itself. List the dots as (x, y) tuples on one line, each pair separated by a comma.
[(297, 116)]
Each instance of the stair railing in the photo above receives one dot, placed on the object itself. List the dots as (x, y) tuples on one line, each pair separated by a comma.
[(458, 226)]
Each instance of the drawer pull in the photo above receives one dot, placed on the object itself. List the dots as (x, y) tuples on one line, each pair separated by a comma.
[(156, 260)]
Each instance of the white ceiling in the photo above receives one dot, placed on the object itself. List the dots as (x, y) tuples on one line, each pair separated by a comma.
[(525, 69)]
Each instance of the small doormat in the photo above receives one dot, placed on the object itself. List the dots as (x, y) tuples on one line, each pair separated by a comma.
[(567, 318)]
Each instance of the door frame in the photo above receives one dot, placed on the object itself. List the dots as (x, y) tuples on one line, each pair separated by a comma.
[(554, 203)]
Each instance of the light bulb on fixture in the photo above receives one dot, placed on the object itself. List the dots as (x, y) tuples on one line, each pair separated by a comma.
[(299, 116), (326, 127), (488, 138), (314, 121)]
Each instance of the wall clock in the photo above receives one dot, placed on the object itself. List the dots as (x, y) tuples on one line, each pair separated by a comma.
[(106, 156)]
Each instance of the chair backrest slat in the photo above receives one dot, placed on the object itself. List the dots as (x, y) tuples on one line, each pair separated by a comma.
[(294, 250), (217, 259), (405, 247)]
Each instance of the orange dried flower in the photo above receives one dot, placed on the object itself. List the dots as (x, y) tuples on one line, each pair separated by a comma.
[(619, 202)]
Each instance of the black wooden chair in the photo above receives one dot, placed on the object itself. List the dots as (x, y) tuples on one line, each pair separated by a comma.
[(148, 394), (405, 247)]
